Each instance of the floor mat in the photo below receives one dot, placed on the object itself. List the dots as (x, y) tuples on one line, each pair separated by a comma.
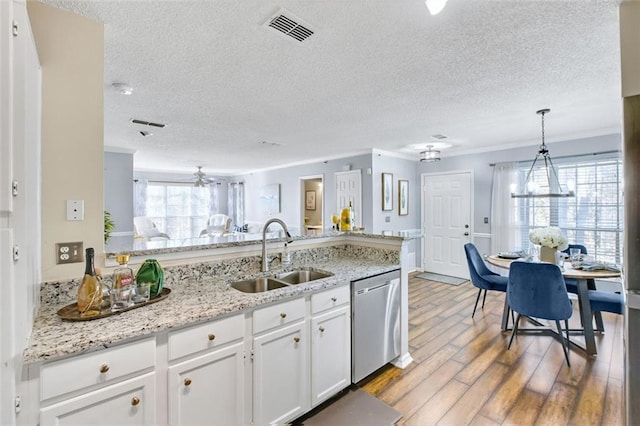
[(355, 408), (441, 278)]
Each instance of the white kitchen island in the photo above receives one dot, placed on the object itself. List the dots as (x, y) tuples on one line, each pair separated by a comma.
[(171, 335)]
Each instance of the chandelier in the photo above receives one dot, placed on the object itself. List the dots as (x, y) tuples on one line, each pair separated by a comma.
[(430, 155), (530, 189)]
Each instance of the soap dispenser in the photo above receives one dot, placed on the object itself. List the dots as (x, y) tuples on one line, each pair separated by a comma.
[(286, 257)]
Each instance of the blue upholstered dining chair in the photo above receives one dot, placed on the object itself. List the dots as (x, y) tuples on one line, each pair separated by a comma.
[(572, 287), (605, 301), (481, 276), (538, 290), (572, 283)]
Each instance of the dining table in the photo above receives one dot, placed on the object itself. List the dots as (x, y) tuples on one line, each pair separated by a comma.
[(581, 276)]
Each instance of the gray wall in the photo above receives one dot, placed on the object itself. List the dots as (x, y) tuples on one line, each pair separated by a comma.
[(290, 189), (118, 175), (401, 169), (483, 172), (118, 190)]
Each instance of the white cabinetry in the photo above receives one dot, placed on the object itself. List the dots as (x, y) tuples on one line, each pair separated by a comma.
[(131, 402), (209, 387), (111, 386), (300, 351), (330, 343), (280, 366)]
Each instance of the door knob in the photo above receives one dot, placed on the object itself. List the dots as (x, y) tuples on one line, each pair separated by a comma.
[(466, 234)]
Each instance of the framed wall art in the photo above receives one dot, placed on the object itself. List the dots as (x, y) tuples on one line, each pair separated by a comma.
[(310, 200), (387, 191), (403, 197)]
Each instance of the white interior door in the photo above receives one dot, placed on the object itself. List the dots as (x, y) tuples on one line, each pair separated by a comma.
[(349, 188), (446, 222)]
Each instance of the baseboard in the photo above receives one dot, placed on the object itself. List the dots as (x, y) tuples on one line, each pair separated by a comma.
[(403, 361)]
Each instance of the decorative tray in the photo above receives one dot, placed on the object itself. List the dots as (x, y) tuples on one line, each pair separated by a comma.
[(70, 312), (510, 255)]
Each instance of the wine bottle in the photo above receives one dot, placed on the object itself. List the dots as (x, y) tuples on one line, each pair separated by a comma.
[(90, 290)]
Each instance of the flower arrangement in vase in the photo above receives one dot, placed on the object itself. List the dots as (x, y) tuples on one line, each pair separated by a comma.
[(550, 239)]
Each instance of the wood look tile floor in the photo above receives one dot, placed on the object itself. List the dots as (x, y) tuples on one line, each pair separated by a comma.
[(463, 373)]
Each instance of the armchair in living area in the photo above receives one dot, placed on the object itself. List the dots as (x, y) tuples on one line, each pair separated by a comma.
[(145, 229), (217, 224)]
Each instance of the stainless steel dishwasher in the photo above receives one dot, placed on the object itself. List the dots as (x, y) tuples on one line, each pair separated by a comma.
[(375, 323)]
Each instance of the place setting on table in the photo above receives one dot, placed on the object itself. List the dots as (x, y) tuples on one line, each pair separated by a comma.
[(579, 271)]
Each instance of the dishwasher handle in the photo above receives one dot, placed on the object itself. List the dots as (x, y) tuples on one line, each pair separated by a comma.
[(375, 287)]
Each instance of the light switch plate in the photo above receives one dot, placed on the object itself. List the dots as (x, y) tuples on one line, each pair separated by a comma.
[(75, 209)]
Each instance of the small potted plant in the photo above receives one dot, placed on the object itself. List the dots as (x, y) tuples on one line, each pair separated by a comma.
[(108, 226)]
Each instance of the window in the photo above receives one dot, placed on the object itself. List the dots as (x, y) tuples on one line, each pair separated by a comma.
[(592, 218), (179, 210)]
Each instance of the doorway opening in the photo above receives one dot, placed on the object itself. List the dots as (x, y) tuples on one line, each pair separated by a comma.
[(312, 205)]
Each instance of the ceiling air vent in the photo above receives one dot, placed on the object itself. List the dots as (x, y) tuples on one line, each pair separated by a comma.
[(148, 123), (290, 26)]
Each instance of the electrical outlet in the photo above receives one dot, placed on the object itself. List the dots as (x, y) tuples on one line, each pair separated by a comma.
[(69, 253)]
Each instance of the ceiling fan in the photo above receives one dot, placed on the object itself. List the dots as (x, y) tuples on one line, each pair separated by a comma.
[(201, 178)]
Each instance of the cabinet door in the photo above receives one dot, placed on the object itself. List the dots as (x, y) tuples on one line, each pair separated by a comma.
[(128, 403), (281, 374), (330, 353), (208, 389)]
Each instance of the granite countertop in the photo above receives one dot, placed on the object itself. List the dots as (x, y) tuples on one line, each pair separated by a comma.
[(194, 300), (150, 248)]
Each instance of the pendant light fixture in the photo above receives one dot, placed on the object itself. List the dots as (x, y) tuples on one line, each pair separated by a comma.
[(430, 155), (529, 189), (435, 6)]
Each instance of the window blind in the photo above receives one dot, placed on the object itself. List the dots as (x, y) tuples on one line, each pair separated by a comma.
[(592, 218)]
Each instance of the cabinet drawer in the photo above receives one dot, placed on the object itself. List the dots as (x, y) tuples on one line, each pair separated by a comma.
[(277, 315), (71, 374), (132, 402), (201, 337), (330, 298)]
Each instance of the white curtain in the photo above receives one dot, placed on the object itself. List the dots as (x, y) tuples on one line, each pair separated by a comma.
[(236, 202), (213, 199), (140, 197), (504, 235)]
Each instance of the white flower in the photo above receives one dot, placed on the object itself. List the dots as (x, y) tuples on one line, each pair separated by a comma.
[(549, 237)]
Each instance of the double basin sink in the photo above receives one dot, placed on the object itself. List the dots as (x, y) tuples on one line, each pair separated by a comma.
[(284, 279)]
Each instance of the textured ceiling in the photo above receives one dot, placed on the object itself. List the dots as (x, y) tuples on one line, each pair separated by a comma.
[(374, 75)]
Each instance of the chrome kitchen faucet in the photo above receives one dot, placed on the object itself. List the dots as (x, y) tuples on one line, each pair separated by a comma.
[(265, 260)]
